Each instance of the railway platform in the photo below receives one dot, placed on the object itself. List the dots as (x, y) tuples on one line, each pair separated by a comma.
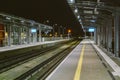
[(14, 47), (86, 62)]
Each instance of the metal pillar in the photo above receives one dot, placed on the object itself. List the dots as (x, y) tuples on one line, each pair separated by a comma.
[(19, 36), (104, 35), (40, 37), (109, 35), (85, 32), (98, 35), (116, 34), (28, 35), (34, 36), (59, 31), (101, 35), (9, 35), (53, 31), (95, 35)]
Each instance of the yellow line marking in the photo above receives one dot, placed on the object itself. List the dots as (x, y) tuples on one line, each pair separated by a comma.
[(79, 67)]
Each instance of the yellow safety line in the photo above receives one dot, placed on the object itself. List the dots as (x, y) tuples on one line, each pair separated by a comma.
[(79, 67)]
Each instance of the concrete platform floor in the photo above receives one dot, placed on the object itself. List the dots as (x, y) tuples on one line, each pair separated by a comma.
[(92, 67), (83, 63)]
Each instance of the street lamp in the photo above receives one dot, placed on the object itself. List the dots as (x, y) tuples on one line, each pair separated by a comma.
[(76, 10), (46, 22), (54, 30), (69, 32)]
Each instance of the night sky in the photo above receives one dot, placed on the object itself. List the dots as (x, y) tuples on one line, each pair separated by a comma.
[(56, 11)]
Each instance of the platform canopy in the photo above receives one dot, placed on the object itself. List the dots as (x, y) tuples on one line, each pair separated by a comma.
[(15, 20), (91, 13)]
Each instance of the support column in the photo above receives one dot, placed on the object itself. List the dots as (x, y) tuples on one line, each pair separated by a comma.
[(95, 35), (104, 35), (9, 34), (109, 35), (40, 37), (101, 35), (98, 35), (116, 34), (28, 35), (19, 36)]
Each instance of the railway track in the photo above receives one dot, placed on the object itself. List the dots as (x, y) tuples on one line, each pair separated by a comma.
[(41, 71), (45, 67), (11, 62)]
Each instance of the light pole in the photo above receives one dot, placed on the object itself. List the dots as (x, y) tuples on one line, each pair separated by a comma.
[(53, 31), (46, 22), (56, 33), (63, 28), (85, 33), (69, 32), (64, 31), (61, 31)]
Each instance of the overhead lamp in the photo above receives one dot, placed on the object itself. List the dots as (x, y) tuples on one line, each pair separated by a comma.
[(88, 7), (8, 18), (72, 1), (55, 24), (47, 21), (93, 21), (76, 10), (22, 21), (78, 17), (79, 20), (88, 11)]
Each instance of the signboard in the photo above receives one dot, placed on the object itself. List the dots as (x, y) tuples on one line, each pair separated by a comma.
[(33, 30), (91, 29)]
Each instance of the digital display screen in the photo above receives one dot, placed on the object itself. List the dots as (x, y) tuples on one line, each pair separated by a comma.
[(91, 30), (33, 30)]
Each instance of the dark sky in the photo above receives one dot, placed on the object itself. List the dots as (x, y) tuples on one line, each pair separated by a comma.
[(57, 11)]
